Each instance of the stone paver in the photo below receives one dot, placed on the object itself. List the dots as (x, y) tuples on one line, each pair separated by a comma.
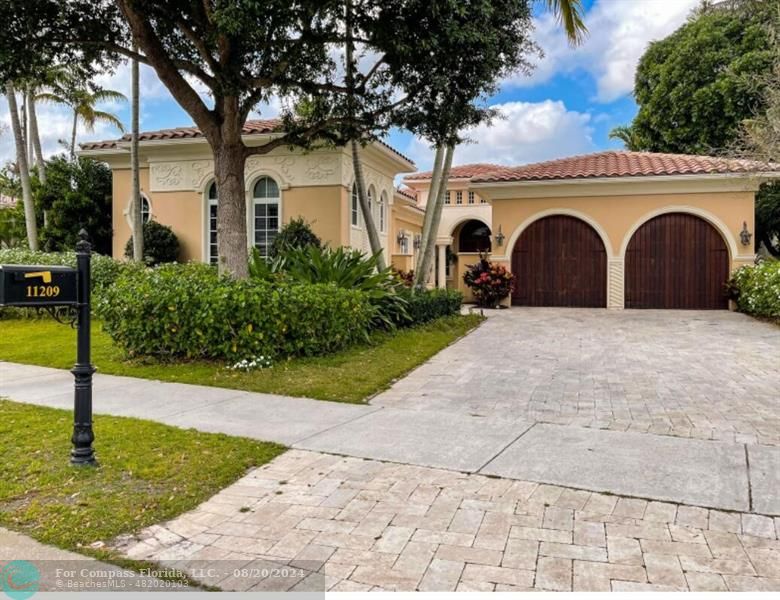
[(313, 521), (692, 374)]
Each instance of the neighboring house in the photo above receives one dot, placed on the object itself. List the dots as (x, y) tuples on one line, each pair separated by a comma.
[(177, 184), (611, 229), (7, 201)]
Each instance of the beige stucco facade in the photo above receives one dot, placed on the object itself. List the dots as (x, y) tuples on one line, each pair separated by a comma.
[(176, 176), (614, 207)]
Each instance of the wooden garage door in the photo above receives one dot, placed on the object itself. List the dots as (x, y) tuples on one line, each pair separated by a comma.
[(676, 260), (560, 261)]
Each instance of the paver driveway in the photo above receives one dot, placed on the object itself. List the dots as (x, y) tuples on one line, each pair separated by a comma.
[(702, 374)]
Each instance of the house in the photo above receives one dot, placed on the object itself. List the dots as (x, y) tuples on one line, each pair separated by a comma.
[(177, 186), (612, 229)]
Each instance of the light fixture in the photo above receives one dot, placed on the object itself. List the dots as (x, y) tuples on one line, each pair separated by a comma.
[(500, 237), (417, 241), (401, 236), (745, 234)]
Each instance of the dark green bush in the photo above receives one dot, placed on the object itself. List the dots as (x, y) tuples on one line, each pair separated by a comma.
[(297, 233), (190, 311), (756, 289), (427, 305), (160, 244)]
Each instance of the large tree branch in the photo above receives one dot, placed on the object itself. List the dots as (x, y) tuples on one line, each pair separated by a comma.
[(168, 71), (200, 45)]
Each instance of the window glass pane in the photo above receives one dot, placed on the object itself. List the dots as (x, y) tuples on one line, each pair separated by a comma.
[(354, 205), (458, 197), (266, 225), (213, 191), (471, 197), (447, 197), (266, 188)]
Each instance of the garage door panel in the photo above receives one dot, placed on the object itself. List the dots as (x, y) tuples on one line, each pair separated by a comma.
[(676, 260), (560, 261)]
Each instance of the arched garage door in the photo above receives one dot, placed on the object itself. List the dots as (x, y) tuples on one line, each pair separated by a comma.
[(676, 260), (560, 261)]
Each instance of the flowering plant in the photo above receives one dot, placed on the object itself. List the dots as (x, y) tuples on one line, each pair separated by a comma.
[(489, 282), (250, 364)]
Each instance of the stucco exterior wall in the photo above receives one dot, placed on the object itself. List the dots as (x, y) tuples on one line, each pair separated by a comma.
[(409, 219), (617, 216)]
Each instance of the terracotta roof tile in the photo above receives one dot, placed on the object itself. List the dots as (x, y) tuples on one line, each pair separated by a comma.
[(407, 192), (459, 172), (621, 164), (251, 127)]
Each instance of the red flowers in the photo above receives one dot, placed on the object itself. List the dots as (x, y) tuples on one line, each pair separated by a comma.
[(490, 283)]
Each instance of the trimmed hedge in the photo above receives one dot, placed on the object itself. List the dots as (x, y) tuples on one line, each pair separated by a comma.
[(756, 289), (105, 269), (428, 305), (190, 311)]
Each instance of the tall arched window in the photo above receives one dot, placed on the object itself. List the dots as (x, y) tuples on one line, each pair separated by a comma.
[(371, 203), (265, 214), (146, 209), (383, 212), (211, 232), (355, 204)]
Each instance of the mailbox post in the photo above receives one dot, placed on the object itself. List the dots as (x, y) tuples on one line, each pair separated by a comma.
[(50, 288), (83, 436)]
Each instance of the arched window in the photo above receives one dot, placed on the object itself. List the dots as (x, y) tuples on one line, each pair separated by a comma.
[(265, 214), (382, 212), (146, 209), (355, 204), (211, 232), (371, 203)]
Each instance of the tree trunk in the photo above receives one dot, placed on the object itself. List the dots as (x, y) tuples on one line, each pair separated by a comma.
[(73, 135), (28, 128), (232, 238), (368, 217), (136, 216), (35, 137), (425, 240), (429, 250), (24, 171)]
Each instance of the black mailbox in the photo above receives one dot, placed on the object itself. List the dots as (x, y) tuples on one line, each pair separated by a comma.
[(24, 285)]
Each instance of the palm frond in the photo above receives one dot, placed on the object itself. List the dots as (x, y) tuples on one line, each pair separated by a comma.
[(100, 116), (108, 96), (569, 13)]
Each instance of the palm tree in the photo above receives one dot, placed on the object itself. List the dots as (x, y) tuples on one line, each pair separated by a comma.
[(569, 15), (138, 223), (23, 167), (628, 136), (82, 102)]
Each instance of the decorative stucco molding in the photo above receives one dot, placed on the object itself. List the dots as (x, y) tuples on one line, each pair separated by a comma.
[(615, 283)]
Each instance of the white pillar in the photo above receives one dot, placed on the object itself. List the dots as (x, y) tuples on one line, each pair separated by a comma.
[(615, 283), (442, 271)]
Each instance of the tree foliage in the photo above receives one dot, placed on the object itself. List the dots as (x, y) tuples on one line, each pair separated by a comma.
[(695, 87), (244, 52), (76, 195)]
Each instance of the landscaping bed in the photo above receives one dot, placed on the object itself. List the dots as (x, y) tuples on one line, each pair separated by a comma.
[(350, 375), (147, 473), (756, 290)]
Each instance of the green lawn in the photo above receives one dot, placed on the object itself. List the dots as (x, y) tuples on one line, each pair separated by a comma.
[(147, 473), (349, 376)]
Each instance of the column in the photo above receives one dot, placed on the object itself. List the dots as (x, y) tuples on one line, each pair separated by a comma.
[(615, 283), (441, 278)]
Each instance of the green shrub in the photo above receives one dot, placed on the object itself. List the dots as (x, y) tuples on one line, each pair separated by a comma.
[(160, 244), (342, 267), (297, 233), (105, 270), (190, 311), (756, 289), (427, 305)]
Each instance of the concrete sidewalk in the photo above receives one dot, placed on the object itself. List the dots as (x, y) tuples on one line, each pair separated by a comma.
[(705, 473), (50, 569)]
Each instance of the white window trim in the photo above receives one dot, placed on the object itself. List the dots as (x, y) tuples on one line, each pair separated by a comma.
[(252, 202), (129, 207), (354, 208), (207, 203)]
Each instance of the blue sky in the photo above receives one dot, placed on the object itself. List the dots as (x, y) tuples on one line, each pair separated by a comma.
[(567, 106)]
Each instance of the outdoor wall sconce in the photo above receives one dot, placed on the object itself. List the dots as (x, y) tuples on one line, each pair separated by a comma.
[(417, 241), (745, 235), (500, 237)]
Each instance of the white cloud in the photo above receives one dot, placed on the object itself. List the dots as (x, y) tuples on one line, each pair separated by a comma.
[(528, 132), (55, 123), (619, 32)]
